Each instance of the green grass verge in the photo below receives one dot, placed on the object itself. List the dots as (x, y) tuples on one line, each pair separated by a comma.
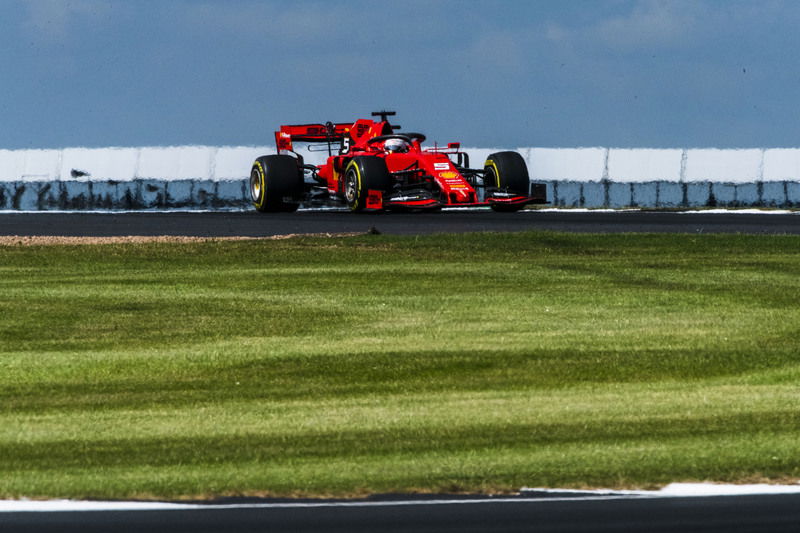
[(345, 366)]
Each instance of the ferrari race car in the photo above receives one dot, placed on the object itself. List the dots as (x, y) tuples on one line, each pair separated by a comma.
[(370, 166)]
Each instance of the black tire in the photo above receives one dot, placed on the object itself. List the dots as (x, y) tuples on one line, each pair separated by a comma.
[(276, 184), (361, 175), (507, 172)]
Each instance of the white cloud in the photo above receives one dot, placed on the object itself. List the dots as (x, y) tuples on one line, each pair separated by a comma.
[(648, 24), (269, 21), (499, 50), (315, 27), (51, 20), (651, 23)]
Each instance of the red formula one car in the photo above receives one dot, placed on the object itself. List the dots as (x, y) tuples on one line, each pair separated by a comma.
[(372, 167)]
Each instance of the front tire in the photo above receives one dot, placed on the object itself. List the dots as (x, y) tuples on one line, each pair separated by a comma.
[(276, 184), (507, 172), (361, 175)]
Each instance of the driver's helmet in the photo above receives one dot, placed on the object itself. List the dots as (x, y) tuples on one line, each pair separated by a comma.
[(395, 145)]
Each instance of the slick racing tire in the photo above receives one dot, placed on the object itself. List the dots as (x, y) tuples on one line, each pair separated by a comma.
[(276, 184), (507, 171), (361, 175)]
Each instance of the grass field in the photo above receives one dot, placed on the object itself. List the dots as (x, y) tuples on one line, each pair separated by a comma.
[(345, 366)]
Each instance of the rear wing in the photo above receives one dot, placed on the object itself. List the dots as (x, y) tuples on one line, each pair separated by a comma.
[(311, 133), (349, 134)]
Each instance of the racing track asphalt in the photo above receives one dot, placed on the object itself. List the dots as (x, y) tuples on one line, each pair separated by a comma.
[(731, 514), (252, 224)]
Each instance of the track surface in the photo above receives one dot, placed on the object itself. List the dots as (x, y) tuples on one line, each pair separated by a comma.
[(740, 514), (252, 224)]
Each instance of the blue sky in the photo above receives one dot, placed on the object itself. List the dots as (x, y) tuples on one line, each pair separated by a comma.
[(619, 73)]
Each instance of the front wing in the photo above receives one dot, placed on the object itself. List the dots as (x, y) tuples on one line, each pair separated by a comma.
[(425, 199)]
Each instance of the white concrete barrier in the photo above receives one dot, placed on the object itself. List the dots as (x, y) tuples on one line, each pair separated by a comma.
[(176, 163), (643, 165), (565, 164), (29, 165), (234, 162), (781, 164), (93, 164), (725, 166)]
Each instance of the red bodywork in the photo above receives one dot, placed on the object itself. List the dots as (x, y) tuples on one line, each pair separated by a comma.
[(443, 172)]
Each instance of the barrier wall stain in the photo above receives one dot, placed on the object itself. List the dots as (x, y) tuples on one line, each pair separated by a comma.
[(141, 194)]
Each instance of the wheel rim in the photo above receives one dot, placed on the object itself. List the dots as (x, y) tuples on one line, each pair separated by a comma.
[(495, 182), (350, 187), (255, 185)]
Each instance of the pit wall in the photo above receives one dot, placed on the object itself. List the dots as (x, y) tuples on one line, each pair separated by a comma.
[(204, 177)]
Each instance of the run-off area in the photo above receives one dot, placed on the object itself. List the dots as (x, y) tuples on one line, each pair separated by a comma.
[(377, 363)]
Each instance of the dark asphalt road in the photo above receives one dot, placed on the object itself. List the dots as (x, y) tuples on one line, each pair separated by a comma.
[(253, 224), (730, 514)]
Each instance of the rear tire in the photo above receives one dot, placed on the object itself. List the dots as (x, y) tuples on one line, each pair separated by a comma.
[(276, 184), (361, 175), (507, 171)]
